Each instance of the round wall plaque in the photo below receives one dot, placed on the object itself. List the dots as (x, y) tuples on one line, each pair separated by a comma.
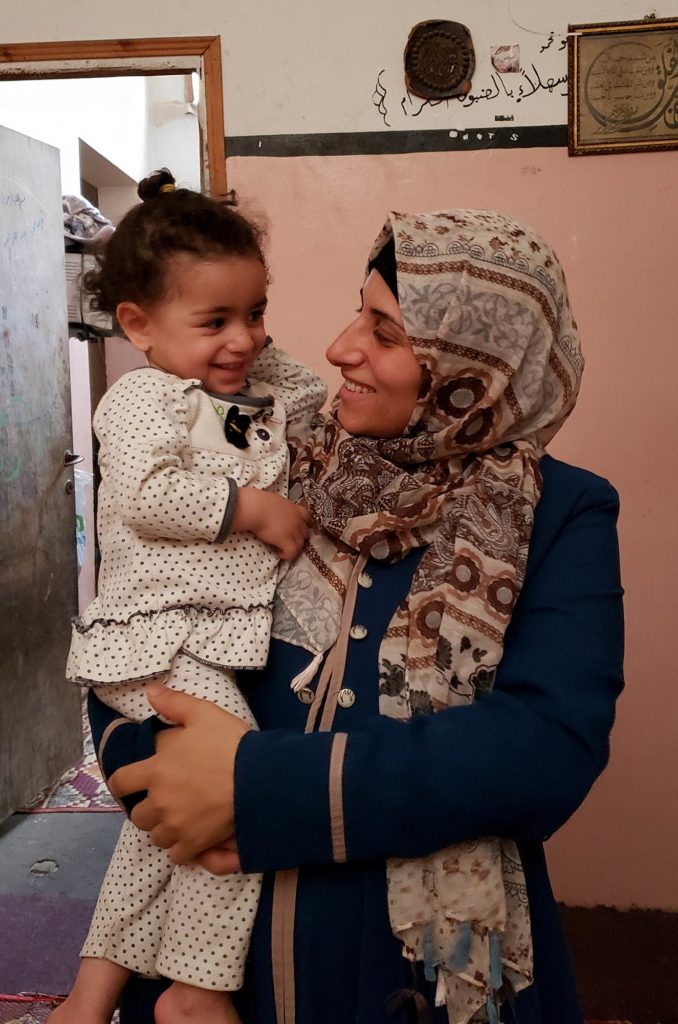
[(439, 60)]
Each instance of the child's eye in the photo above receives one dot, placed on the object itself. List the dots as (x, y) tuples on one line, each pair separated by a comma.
[(216, 324), (257, 314)]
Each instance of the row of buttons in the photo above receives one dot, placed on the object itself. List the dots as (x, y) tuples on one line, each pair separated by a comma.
[(345, 697)]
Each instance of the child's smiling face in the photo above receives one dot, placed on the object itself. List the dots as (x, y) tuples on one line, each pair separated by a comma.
[(208, 325)]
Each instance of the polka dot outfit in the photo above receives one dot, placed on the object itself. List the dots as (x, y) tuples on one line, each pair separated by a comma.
[(169, 580), (163, 920), (179, 595)]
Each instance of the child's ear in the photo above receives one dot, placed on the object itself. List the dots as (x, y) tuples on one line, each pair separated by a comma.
[(134, 322)]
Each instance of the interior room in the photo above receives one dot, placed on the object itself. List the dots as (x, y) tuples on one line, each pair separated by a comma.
[(311, 120)]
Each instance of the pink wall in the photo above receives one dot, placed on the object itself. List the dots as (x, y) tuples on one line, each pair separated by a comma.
[(613, 222)]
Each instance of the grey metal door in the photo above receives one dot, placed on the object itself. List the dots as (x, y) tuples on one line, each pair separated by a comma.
[(40, 733)]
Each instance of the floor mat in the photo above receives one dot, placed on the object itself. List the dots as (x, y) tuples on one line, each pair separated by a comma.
[(29, 1009), (81, 788), (35, 1009), (26, 1009)]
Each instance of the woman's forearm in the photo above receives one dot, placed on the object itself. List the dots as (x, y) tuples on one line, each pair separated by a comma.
[(119, 742)]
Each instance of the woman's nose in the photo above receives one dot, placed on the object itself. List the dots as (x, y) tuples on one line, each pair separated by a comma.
[(346, 350)]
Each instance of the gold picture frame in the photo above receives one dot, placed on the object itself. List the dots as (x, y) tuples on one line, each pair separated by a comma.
[(623, 87)]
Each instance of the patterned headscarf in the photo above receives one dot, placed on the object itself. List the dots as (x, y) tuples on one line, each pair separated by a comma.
[(485, 306)]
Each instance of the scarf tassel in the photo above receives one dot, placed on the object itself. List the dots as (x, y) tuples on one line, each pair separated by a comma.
[(496, 979), (496, 968), (399, 998), (304, 677), (492, 1011), (462, 949), (430, 963)]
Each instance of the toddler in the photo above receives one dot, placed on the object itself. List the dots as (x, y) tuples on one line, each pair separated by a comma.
[(192, 520)]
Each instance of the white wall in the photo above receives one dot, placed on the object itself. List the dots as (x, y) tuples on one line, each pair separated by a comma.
[(173, 135), (297, 66), (108, 113)]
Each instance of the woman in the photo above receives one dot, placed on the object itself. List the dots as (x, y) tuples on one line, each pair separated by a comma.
[(466, 588)]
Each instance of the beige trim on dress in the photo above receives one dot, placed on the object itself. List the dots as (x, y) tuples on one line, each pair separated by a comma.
[(340, 649), (111, 727), (337, 797), (282, 945), (285, 884), (104, 740)]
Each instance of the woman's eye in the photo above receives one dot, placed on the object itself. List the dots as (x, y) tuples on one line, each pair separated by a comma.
[(384, 334)]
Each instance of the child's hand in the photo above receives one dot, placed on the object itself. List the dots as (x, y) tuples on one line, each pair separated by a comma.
[(275, 520)]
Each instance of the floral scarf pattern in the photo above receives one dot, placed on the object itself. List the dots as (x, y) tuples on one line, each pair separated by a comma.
[(485, 306)]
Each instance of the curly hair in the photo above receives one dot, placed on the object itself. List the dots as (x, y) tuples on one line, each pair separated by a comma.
[(133, 262)]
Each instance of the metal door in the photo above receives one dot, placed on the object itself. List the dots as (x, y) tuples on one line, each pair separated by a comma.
[(40, 731)]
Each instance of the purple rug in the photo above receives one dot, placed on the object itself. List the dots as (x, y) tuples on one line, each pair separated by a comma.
[(42, 937)]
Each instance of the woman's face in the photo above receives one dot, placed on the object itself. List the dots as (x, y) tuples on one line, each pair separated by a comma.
[(381, 374)]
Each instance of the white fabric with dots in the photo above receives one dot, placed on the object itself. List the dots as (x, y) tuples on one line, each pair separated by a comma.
[(162, 920), (166, 583)]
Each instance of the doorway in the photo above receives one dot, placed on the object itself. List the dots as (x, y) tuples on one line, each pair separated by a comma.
[(110, 132), (133, 57), (197, 62), (120, 60)]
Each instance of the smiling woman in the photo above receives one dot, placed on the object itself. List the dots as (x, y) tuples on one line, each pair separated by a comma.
[(445, 663), (382, 375)]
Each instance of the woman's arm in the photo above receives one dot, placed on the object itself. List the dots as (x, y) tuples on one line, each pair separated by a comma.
[(119, 742)]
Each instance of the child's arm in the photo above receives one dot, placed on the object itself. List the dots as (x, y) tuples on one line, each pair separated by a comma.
[(143, 426), (144, 429), (300, 390), (275, 520)]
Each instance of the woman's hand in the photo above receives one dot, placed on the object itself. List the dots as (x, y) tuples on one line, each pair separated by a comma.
[(222, 859), (189, 780)]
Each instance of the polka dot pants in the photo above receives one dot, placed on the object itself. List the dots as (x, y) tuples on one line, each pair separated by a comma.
[(163, 920)]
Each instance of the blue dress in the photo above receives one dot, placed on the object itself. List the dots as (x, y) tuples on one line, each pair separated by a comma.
[(517, 764)]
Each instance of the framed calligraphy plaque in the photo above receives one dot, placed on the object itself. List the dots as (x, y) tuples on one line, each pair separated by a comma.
[(623, 86)]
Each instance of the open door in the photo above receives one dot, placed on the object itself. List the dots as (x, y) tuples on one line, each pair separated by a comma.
[(40, 727)]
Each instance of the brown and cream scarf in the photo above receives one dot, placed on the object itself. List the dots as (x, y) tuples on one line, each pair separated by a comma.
[(485, 306)]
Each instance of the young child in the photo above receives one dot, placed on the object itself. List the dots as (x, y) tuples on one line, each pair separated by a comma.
[(192, 521)]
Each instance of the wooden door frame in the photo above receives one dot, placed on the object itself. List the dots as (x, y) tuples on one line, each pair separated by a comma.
[(103, 58)]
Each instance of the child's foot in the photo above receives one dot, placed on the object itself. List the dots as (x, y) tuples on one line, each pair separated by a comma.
[(181, 1003), (95, 994), (71, 1011)]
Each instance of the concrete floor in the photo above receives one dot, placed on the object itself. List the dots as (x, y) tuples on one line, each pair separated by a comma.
[(51, 867)]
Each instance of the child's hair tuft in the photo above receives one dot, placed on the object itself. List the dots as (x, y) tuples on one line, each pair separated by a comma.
[(169, 222)]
